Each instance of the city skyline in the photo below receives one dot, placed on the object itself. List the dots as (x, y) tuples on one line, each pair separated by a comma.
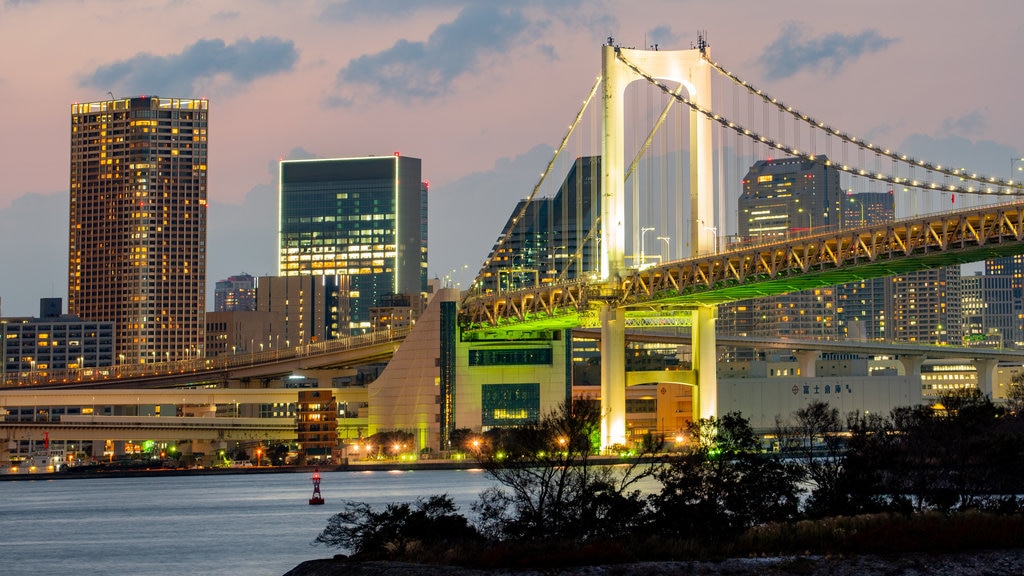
[(427, 80)]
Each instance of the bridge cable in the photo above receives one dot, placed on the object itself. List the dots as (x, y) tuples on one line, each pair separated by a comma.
[(956, 173), (1002, 186), (477, 284)]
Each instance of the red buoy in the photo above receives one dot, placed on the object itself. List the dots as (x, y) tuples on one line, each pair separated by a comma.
[(317, 498)]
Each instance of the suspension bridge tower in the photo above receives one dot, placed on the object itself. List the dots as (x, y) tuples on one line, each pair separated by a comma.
[(620, 67)]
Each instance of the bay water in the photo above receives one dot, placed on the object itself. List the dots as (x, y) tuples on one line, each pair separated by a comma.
[(224, 524)]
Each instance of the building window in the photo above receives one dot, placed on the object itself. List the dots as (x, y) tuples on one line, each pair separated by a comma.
[(510, 404)]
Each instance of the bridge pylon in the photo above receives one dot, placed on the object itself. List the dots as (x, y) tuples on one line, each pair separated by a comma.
[(693, 71)]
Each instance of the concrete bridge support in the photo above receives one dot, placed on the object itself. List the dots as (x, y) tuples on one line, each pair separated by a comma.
[(986, 375), (613, 376), (807, 361), (705, 359), (912, 365)]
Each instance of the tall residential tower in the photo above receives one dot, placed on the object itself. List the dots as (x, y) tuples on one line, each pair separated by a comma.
[(137, 227)]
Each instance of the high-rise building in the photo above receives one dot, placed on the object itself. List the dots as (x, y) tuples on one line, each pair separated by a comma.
[(1006, 288), (137, 241), (789, 196), (235, 294), (781, 198), (546, 235), (862, 309), (361, 218), (926, 306)]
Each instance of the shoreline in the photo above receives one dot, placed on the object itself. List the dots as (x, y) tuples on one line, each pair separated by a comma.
[(100, 472)]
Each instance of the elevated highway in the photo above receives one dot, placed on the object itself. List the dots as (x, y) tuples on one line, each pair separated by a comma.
[(332, 355)]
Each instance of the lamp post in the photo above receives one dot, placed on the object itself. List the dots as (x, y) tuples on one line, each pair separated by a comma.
[(643, 234), (861, 202), (1016, 165), (714, 237), (668, 246)]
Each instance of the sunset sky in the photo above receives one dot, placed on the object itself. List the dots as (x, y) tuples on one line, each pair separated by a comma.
[(480, 91)]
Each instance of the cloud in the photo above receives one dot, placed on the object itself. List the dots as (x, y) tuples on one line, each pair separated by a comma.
[(425, 70), (971, 124), (549, 52), (793, 52), (225, 15), (353, 9), (195, 67), (663, 37)]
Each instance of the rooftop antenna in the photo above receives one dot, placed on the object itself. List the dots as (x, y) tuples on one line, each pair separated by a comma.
[(702, 42), (111, 94)]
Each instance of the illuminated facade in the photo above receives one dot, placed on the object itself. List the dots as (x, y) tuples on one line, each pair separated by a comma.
[(359, 218), (235, 294), (780, 198), (789, 196), (863, 311), (137, 228), (32, 347)]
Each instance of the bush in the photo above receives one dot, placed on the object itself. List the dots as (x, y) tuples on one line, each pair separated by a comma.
[(398, 529)]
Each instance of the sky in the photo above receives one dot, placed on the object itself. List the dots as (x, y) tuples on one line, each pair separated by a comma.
[(481, 91)]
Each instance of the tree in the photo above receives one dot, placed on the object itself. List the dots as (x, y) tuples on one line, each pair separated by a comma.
[(815, 439), (723, 484), (398, 529), (549, 486)]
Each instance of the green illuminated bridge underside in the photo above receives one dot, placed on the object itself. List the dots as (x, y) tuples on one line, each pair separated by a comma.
[(662, 295)]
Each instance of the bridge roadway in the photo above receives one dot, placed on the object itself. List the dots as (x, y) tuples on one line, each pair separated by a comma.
[(749, 270), (332, 354)]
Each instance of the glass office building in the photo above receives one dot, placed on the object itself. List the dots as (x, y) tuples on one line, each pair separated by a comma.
[(356, 217)]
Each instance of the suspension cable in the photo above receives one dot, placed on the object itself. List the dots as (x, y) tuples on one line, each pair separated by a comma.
[(1000, 186), (956, 173), (477, 284)]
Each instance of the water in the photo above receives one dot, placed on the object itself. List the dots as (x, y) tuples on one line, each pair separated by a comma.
[(252, 524)]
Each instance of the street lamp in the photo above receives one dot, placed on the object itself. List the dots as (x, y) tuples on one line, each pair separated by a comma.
[(668, 246), (643, 233), (714, 237), (861, 202), (1016, 165)]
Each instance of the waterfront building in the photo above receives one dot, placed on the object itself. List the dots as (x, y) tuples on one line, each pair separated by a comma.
[(926, 306), (317, 424), (30, 348), (360, 219), (137, 226), (972, 309), (235, 294)]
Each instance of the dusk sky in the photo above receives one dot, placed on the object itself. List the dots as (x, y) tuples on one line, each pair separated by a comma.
[(480, 91)]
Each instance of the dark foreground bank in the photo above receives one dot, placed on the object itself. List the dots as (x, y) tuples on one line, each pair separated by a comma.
[(960, 564)]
